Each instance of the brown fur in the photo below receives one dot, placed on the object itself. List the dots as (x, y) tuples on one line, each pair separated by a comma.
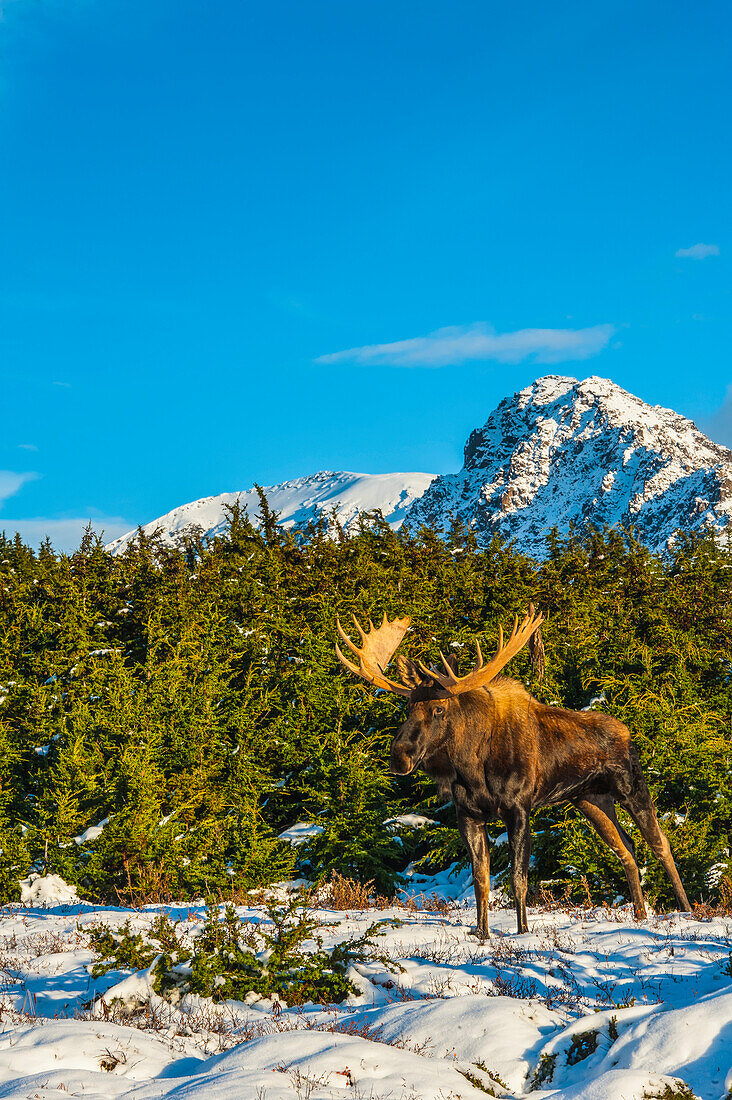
[(501, 753)]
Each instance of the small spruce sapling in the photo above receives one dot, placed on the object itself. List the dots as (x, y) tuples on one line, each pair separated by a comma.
[(230, 959)]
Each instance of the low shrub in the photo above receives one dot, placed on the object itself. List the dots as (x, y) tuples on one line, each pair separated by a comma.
[(544, 1071), (583, 1045), (123, 949), (229, 959)]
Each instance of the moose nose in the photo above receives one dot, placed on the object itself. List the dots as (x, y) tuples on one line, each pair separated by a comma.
[(400, 762)]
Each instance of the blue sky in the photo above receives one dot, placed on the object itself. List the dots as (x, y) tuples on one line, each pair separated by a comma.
[(205, 205)]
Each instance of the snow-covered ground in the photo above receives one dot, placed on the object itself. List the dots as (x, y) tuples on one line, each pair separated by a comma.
[(589, 1004)]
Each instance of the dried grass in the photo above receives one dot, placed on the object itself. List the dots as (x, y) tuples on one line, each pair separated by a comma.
[(342, 893), (707, 910), (152, 886), (428, 903), (546, 898)]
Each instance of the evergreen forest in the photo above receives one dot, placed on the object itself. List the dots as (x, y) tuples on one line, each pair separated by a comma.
[(167, 712)]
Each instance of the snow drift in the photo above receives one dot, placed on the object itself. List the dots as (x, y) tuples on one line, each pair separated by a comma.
[(588, 1005)]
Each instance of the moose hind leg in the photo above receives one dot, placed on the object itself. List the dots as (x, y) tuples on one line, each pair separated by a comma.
[(519, 840), (472, 830), (640, 806), (600, 812)]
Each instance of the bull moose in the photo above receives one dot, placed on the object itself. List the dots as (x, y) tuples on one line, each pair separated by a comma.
[(499, 752)]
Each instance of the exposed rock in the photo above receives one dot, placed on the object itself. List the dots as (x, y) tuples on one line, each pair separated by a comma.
[(562, 452)]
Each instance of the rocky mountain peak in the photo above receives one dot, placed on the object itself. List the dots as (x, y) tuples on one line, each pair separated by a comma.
[(565, 451)]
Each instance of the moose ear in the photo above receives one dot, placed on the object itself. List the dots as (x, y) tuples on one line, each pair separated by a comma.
[(452, 661), (409, 673)]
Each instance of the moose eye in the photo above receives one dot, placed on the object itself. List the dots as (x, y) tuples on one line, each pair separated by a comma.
[(439, 710)]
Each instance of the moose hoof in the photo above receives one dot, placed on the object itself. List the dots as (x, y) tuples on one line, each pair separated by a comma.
[(480, 930)]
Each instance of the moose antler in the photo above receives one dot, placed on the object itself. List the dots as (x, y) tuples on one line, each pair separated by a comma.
[(379, 644), (481, 674)]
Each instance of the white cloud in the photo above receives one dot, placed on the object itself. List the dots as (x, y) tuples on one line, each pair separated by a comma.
[(65, 534), (466, 343), (27, 447), (11, 482), (697, 252)]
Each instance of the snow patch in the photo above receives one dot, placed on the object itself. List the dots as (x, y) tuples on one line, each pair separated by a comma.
[(40, 891), (410, 821), (92, 832), (300, 832)]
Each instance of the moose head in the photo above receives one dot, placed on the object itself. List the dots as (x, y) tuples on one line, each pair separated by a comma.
[(436, 710)]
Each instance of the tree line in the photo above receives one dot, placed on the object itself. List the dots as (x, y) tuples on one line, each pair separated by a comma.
[(167, 712)]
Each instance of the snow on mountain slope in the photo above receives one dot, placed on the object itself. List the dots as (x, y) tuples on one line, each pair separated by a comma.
[(559, 452), (298, 502), (563, 451)]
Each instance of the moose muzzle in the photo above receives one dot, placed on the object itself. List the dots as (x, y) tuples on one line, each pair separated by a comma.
[(405, 755)]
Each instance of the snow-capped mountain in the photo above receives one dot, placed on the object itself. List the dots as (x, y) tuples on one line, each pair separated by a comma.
[(558, 452), (297, 502), (564, 451)]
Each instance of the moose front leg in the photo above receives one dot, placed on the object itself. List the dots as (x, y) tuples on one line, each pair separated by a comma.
[(472, 830), (519, 840)]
